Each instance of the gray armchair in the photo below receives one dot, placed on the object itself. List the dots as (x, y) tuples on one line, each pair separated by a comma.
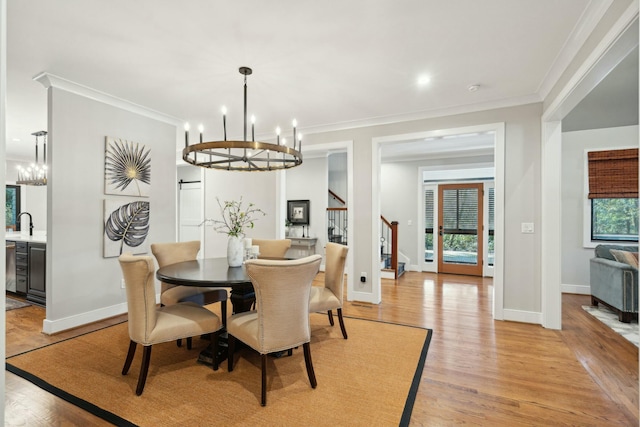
[(613, 283)]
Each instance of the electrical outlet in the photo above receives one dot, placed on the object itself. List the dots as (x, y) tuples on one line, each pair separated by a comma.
[(363, 277), (122, 284)]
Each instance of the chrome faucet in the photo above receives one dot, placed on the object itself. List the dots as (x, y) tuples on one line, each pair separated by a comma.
[(30, 221)]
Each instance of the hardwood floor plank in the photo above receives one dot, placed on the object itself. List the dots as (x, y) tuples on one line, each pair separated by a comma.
[(478, 371)]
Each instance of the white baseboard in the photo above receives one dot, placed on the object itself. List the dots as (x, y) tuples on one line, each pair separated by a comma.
[(575, 289), (522, 316), (55, 326), (362, 297), (387, 275), (413, 267)]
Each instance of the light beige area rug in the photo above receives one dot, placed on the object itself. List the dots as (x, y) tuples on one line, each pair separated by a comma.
[(369, 379)]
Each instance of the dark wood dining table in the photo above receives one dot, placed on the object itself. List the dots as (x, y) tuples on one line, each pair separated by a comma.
[(212, 272)]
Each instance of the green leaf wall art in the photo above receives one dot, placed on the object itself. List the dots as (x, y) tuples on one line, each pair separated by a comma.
[(127, 168), (126, 227)]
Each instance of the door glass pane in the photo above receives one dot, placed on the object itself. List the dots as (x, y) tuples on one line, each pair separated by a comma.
[(428, 225), (460, 233), (491, 225)]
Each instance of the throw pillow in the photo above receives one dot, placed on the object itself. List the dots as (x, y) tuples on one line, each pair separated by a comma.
[(630, 258)]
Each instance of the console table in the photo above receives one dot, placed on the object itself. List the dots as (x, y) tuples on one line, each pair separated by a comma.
[(304, 244)]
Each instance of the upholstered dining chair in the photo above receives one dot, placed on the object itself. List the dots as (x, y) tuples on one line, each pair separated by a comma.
[(149, 324), (330, 296), (272, 248), (281, 321), (174, 252)]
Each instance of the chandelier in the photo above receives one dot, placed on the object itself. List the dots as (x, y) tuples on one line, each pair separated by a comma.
[(36, 173), (246, 155)]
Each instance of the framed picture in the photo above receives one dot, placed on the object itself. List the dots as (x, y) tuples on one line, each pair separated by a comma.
[(298, 212), (127, 168), (126, 227)]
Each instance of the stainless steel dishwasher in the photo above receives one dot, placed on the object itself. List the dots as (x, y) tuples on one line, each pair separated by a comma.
[(11, 267)]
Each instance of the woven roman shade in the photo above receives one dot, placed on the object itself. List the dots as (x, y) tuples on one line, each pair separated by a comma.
[(613, 174)]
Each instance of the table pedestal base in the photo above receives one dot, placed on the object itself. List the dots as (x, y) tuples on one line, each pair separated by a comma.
[(206, 358)]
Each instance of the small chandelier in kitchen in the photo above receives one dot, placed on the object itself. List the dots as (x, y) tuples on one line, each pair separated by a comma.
[(36, 173), (246, 155)]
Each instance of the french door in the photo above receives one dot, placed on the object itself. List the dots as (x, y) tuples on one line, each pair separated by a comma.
[(460, 222)]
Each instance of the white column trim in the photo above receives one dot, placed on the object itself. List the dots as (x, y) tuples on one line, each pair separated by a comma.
[(341, 146), (551, 233), (613, 47)]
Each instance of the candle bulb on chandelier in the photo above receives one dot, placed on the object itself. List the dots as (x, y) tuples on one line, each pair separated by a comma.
[(299, 143), (295, 123), (224, 121), (201, 129), (186, 135), (278, 133), (253, 122)]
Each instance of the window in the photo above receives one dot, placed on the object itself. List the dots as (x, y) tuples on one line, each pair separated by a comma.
[(613, 195), (614, 219), (12, 207)]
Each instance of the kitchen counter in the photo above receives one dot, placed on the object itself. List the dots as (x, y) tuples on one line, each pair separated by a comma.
[(24, 237)]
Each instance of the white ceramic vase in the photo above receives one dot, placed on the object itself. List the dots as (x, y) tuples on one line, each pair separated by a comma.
[(235, 251)]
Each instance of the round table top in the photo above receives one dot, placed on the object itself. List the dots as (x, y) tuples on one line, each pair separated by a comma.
[(204, 272)]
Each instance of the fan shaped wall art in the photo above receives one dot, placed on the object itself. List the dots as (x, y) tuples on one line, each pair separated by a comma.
[(126, 226), (127, 168)]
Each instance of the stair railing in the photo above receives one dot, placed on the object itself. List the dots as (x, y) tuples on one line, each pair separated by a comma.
[(337, 225), (337, 220), (389, 244)]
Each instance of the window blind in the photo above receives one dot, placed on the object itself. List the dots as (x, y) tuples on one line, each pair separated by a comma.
[(491, 209), (460, 209), (613, 174), (428, 209)]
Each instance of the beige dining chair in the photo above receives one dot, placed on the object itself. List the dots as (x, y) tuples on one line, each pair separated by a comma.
[(272, 248), (150, 324), (174, 252), (281, 321), (330, 296)]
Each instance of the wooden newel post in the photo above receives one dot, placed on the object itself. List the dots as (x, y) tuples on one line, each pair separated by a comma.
[(394, 247)]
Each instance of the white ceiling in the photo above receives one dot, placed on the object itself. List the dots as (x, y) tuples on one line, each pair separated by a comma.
[(330, 64)]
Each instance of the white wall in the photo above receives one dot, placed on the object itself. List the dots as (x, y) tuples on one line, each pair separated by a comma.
[(400, 190), (575, 257), (399, 202), (338, 178), (82, 286), (522, 289), (309, 181), (259, 188)]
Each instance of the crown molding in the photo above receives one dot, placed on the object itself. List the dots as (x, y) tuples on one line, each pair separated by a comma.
[(578, 36), (51, 80), (422, 115)]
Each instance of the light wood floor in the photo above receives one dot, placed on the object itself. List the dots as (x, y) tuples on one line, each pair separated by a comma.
[(478, 371)]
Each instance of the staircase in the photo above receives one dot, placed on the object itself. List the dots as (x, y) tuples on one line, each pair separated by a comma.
[(337, 220), (389, 264)]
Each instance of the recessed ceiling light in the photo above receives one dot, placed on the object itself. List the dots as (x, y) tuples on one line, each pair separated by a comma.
[(16, 140), (473, 88), (424, 80)]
